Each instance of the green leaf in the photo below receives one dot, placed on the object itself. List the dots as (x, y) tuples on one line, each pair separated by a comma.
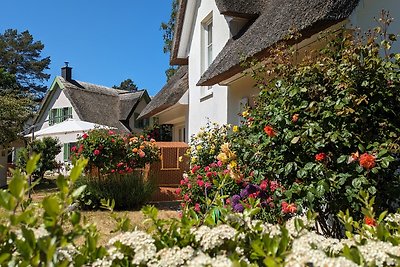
[(32, 164), (77, 192), (78, 169), (342, 159), (51, 206), (295, 140), (17, 185)]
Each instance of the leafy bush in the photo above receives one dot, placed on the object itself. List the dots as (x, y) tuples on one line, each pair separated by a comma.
[(205, 145), (51, 233), (48, 148), (110, 152), (327, 127), (127, 190)]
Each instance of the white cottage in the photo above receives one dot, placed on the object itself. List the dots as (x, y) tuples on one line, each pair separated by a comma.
[(89, 103), (213, 36)]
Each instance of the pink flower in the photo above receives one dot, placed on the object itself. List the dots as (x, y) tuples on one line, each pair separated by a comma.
[(113, 140), (264, 185), (182, 182), (197, 207), (178, 191), (142, 154), (73, 149), (186, 198), (207, 185), (189, 186), (119, 165), (84, 136), (273, 186), (200, 183), (112, 171), (96, 152), (111, 132), (209, 174), (219, 163)]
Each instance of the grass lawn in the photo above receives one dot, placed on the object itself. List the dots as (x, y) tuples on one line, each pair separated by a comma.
[(104, 222)]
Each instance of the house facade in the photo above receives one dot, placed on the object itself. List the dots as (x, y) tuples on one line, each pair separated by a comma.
[(90, 104), (169, 108), (212, 37)]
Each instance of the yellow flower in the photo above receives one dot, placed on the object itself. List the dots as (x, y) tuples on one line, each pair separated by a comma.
[(225, 148), (222, 157), (245, 114), (233, 164), (180, 159), (235, 129), (199, 147)]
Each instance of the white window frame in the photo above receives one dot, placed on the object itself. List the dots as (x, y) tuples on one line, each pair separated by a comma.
[(207, 55)]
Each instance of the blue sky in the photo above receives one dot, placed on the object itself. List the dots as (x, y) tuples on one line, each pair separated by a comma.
[(105, 41)]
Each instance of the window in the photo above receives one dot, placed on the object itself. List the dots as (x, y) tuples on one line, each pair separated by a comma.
[(67, 151), (58, 115), (207, 42), (207, 50), (140, 124)]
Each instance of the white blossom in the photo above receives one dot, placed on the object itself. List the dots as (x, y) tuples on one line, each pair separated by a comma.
[(141, 243)]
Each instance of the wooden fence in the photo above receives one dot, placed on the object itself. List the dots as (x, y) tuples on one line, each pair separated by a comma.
[(168, 172)]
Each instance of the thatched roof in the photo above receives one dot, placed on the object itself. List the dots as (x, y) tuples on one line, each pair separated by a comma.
[(269, 22), (180, 16), (169, 94), (100, 104), (241, 8)]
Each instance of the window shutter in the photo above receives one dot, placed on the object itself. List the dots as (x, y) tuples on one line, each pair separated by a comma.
[(70, 112), (51, 117), (66, 152)]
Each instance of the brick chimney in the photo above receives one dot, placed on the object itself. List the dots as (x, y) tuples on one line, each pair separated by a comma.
[(66, 72)]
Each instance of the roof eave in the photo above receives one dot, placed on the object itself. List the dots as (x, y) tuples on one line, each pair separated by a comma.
[(234, 70)]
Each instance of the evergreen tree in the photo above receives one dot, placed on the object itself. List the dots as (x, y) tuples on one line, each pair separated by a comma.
[(21, 56), (168, 29), (127, 85)]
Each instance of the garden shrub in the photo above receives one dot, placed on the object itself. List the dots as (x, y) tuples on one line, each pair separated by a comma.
[(110, 152), (51, 233), (48, 148), (205, 145), (327, 127), (129, 191)]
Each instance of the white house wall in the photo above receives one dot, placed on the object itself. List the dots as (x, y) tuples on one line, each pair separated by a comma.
[(58, 100), (64, 139), (240, 94), (215, 107)]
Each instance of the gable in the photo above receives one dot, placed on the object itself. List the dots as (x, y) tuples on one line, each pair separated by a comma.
[(55, 98)]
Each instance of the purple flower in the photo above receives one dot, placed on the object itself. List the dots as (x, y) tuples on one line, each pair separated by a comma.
[(244, 193), (251, 188), (235, 199), (238, 208)]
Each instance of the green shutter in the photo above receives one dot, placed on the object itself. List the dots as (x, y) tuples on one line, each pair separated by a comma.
[(51, 117), (60, 115), (70, 112), (66, 152)]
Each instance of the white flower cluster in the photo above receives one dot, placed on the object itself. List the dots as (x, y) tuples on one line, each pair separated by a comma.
[(174, 256), (377, 253), (205, 260), (310, 249), (140, 242), (66, 253), (37, 232), (210, 238), (393, 218)]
